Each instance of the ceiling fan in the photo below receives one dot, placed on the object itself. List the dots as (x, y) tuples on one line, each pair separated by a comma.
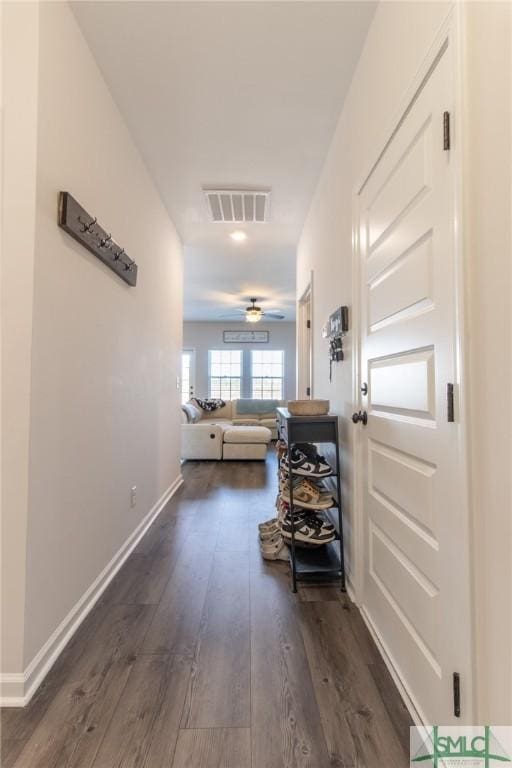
[(254, 314)]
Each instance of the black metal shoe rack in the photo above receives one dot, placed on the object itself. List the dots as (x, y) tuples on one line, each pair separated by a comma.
[(324, 563)]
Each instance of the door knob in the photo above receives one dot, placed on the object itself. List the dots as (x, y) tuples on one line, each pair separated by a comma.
[(362, 416)]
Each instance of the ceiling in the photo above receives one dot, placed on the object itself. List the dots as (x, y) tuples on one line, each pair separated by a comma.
[(243, 94)]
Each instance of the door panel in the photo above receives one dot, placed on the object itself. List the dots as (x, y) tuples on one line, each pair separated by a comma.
[(408, 181), (404, 383), (404, 287), (415, 589), (415, 594), (404, 483)]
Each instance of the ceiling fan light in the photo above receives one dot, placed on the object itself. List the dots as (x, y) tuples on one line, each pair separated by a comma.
[(252, 316)]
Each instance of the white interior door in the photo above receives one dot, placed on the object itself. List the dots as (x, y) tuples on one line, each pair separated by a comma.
[(188, 374), (305, 347), (416, 582), (308, 349)]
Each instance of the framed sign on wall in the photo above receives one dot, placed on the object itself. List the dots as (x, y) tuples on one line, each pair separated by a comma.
[(245, 337)]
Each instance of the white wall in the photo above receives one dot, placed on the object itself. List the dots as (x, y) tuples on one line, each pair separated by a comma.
[(20, 45), (103, 357), (205, 336), (488, 253), (397, 43)]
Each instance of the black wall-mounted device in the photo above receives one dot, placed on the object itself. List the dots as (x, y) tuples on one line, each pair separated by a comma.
[(335, 329)]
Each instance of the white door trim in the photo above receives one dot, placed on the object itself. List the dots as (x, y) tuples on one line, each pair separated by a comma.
[(304, 352), (192, 352), (449, 35)]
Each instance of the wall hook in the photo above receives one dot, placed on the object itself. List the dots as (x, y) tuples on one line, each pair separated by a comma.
[(83, 227), (87, 227), (105, 240)]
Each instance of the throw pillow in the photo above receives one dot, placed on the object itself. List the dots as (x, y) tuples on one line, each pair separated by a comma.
[(210, 404)]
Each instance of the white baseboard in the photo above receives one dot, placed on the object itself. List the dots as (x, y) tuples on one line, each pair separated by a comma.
[(12, 687), (404, 693), (381, 647), (16, 690)]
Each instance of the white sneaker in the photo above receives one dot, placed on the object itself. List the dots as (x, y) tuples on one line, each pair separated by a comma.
[(270, 534), (267, 524), (308, 530), (275, 551)]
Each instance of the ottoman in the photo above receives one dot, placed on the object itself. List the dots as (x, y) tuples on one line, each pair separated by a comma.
[(245, 443)]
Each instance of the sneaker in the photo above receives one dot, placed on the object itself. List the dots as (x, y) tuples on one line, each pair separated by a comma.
[(319, 469), (284, 509), (310, 451), (308, 468), (281, 448), (306, 494), (270, 534), (276, 551), (316, 481), (307, 531), (316, 521), (297, 460), (267, 524), (299, 514)]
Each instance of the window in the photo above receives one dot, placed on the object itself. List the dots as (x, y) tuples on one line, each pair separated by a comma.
[(225, 373), (267, 370)]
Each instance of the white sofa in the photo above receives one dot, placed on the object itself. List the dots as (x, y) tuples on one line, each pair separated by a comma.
[(226, 434)]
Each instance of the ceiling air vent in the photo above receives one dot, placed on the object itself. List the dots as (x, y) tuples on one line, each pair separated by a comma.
[(238, 205)]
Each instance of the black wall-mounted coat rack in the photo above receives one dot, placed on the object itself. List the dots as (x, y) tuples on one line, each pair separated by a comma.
[(85, 229), (334, 330)]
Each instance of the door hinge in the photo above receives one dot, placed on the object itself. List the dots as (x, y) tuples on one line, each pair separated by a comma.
[(450, 412), (456, 694), (308, 323), (308, 391), (446, 130)]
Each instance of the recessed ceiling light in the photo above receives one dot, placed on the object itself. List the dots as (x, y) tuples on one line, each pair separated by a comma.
[(238, 235)]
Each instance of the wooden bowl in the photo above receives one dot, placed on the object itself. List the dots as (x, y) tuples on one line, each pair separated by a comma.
[(308, 407)]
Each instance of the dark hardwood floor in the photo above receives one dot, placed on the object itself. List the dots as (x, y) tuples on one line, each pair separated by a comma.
[(198, 655)]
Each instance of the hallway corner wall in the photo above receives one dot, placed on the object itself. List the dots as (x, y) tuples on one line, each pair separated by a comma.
[(102, 404)]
